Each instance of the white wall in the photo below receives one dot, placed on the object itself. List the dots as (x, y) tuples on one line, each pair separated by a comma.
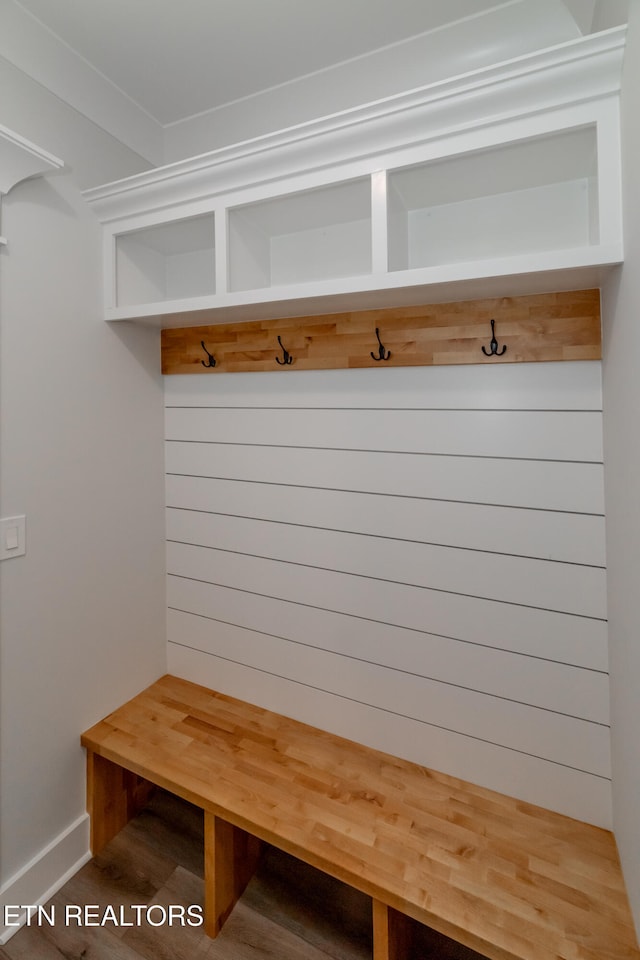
[(621, 373), (81, 615), (412, 558)]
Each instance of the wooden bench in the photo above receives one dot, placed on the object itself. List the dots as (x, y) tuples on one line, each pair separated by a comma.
[(505, 878)]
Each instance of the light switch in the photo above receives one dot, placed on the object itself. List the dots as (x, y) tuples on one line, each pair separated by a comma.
[(12, 537)]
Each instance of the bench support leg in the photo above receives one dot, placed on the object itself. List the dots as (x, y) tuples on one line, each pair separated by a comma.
[(114, 796), (390, 933), (230, 860)]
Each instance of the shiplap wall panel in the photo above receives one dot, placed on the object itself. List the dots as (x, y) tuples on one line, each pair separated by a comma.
[(525, 386), (560, 687), (541, 733), (544, 485), (568, 537), (586, 796), (542, 633), (514, 434), (567, 588), (426, 547)]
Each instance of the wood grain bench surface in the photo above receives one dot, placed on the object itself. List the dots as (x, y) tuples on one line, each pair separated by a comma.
[(504, 877)]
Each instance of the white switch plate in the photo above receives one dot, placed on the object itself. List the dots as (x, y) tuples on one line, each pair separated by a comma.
[(13, 537)]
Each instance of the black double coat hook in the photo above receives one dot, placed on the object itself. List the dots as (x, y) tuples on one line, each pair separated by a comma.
[(382, 353), (286, 356), (493, 344), (211, 362)]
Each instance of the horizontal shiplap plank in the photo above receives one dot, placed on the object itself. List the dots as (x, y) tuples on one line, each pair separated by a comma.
[(556, 636), (524, 386), (552, 785), (530, 533), (546, 584), (550, 736), (547, 485), (553, 686), (544, 435)]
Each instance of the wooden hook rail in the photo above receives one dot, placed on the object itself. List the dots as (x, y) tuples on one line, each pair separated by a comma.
[(556, 326)]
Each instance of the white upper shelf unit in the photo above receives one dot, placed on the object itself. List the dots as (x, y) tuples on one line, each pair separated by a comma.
[(502, 182)]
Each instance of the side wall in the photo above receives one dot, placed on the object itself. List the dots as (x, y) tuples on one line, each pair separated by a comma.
[(621, 376), (412, 558), (81, 615)]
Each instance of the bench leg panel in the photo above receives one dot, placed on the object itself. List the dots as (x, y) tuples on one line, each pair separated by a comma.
[(230, 860), (391, 933), (114, 796)]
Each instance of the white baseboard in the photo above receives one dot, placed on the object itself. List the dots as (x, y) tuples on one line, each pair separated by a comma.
[(43, 875)]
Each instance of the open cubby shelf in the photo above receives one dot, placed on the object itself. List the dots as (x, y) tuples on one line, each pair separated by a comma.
[(321, 234), (507, 189), (170, 261), (529, 197), (501, 209)]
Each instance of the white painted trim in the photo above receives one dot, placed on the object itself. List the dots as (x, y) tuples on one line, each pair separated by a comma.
[(49, 870), (20, 158), (514, 276)]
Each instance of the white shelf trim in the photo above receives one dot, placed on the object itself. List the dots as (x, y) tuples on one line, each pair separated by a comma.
[(20, 158)]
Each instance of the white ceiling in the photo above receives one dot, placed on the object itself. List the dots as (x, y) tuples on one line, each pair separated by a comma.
[(170, 79), (179, 58)]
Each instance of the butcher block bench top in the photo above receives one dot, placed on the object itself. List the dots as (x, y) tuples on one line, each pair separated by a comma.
[(504, 877)]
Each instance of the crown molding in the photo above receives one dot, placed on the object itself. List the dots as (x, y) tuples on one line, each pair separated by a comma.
[(570, 73), (19, 159)]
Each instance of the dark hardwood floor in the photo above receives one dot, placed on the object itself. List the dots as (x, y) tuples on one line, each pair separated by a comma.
[(289, 911)]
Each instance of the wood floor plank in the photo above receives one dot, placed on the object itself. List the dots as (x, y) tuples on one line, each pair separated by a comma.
[(67, 942), (178, 940), (172, 829), (132, 872), (248, 935), (323, 912)]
